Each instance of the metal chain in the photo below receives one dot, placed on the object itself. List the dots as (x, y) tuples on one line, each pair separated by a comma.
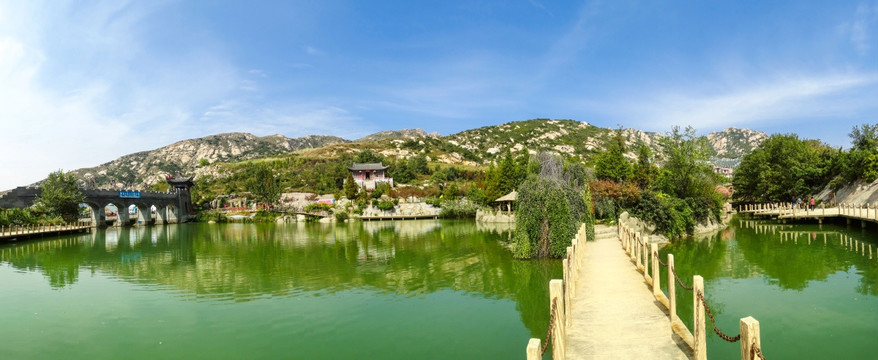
[(654, 253), (723, 336), (681, 281), (551, 326), (755, 350)]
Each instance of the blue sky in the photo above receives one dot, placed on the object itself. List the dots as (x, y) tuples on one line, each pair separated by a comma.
[(82, 83)]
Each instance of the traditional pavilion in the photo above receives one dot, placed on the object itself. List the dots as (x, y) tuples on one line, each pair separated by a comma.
[(507, 200), (368, 175)]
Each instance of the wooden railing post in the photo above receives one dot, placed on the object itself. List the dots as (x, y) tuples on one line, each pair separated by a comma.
[(556, 294), (637, 248), (567, 290), (646, 254), (698, 318), (749, 338), (672, 289), (627, 241), (656, 274), (533, 349)]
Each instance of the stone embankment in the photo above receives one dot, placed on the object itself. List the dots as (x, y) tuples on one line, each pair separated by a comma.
[(405, 209), (413, 209), (494, 216), (649, 229)]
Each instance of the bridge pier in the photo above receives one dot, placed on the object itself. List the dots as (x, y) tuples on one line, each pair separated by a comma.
[(122, 218)]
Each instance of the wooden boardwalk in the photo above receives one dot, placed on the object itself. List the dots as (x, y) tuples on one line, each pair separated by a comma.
[(785, 212), (15, 233), (614, 313)]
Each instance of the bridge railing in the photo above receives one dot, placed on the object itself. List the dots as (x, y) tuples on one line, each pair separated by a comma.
[(646, 258), (561, 292), (861, 211), (21, 230)]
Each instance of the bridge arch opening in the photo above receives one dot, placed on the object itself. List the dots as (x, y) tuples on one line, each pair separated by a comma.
[(140, 213), (96, 214), (172, 214)]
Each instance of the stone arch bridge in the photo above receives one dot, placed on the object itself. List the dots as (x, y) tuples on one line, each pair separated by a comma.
[(174, 206)]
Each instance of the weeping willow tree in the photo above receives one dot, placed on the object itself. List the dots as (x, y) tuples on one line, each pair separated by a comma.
[(550, 208)]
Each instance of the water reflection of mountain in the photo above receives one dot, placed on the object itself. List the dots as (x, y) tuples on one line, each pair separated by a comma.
[(242, 262), (790, 256)]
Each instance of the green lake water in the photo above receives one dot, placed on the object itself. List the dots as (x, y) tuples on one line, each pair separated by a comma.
[(813, 288), (388, 290), (400, 290)]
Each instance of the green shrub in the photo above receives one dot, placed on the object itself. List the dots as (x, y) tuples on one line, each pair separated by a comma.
[(437, 202), (671, 216), (16, 217), (458, 209), (263, 216), (385, 205), (341, 216), (521, 248), (317, 207), (205, 216)]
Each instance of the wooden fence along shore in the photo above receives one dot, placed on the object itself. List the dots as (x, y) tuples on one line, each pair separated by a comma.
[(782, 211), (645, 257), (15, 232)]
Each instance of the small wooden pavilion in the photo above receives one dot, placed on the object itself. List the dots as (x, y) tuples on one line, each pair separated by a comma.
[(507, 200)]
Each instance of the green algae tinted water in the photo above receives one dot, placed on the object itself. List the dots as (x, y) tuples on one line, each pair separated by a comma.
[(813, 288), (389, 290)]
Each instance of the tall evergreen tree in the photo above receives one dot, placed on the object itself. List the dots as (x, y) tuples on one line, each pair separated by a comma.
[(644, 171), (418, 165), (492, 183), (350, 187), (264, 186), (507, 177), (612, 164)]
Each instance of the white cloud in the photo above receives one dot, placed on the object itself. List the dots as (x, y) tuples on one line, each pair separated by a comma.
[(565, 49), (79, 88), (310, 50), (782, 100), (540, 6), (861, 27)]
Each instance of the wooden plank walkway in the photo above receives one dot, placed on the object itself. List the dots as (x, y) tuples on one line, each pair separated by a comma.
[(615, 314), (15, 233)]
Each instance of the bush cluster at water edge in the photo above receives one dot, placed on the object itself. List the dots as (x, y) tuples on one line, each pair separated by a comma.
[(211, 215), (458, 209), (21, 217)]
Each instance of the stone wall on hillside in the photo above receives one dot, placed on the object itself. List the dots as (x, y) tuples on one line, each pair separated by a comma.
[(859, 192)]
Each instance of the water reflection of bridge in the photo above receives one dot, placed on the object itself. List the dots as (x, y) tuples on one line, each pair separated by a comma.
[(405, 257), (785, 234)]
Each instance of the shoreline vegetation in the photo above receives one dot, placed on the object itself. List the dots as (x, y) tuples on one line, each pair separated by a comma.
[(554, 193), (674, 189), (785, 168)]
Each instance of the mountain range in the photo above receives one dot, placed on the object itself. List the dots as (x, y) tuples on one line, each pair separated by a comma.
[(475, 147)]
